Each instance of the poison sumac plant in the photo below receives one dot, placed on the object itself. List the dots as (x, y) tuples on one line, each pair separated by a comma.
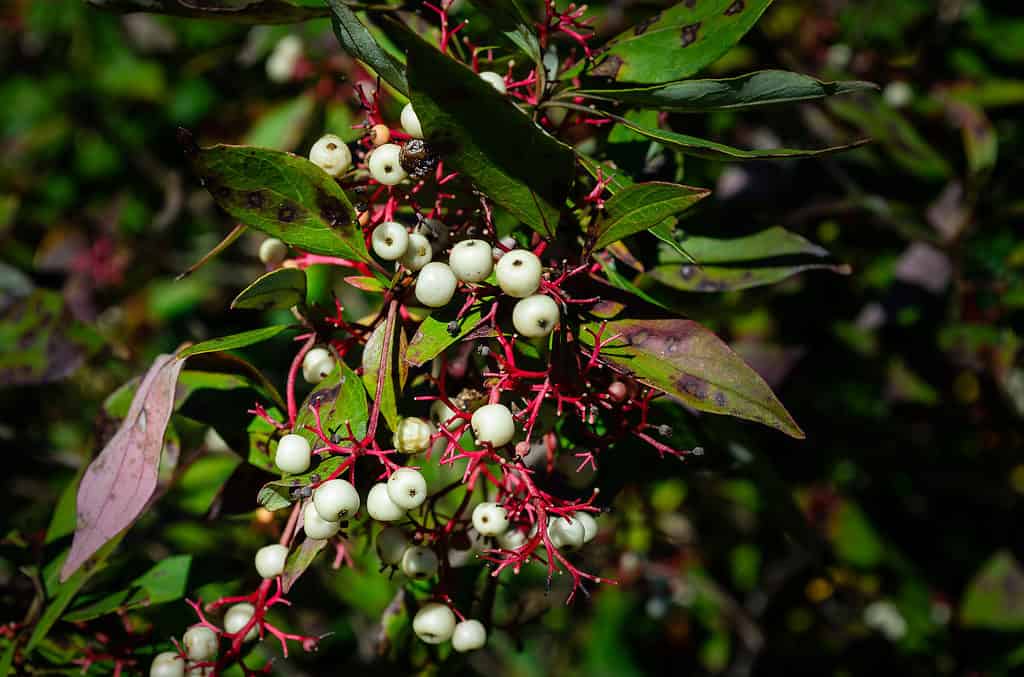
[(502, 251)]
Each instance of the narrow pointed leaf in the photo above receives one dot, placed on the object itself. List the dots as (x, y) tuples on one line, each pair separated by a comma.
[(281, 288), (385, 350), (241, 11), (357, 41), (434, 335), (234, 341), (679, 41), (761, 88), (511, 19), (643, 206), (686, 360)]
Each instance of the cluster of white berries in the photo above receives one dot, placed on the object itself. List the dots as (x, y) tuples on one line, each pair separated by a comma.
[(200, 644), (435, 623)]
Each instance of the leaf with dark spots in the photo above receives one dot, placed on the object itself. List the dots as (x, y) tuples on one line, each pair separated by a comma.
[(686, 360), (119, 483), (342, 405), (680, 41), (281, 288), (283, 195)]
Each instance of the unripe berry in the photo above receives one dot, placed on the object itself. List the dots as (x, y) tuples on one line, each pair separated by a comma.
[(435, 285), (237, 617), (200, 643), (494, 80), (435, 232), (535, 316), (434, 623), (471, 260), (379, 135), (390, 241), (443, 415), (618, 391), (167, 664), (380, 506), (384, 164), (273, 251), (469, 635), (419, 562), (518, 272), (512, 539), (331, 154), (270, 560), (418, 254), (411, 122), (293, 454), (407, 488), (493, 423), (589, 525), (413, 435), (283, 59), (566, 533), (490, 519), (317, 365), (391, 545), (336, 500), (315, 526)]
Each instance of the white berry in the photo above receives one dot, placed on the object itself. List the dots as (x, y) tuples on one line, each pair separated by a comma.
[(315, 526), (419, 562), (197, 671), (471, 260), (493, 423), (385, 166), (411, 122), (413, 435), (469, 635), (391, 545), (331, 154), (237, 617), (317, 365), (518, 273), (380, 506), (512, 539), (419, 252), (273, 251), (270, 560), (283, 59), (407, 488), (490, 519), (293, 454), (167, 664), (435, 232), (589, 525), (494, 80), (566, 533), (434, 623), (200, 643), (390, 241), (336, 500), (435, 285), (535, 316)]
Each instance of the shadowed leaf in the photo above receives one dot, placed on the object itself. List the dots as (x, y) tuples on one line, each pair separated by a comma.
[(642, 206), (357, 41), (281, 288), (242, 11)]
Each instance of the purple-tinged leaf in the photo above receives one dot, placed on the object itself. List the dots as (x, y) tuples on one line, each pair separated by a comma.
[(299, 560), (119, 483)]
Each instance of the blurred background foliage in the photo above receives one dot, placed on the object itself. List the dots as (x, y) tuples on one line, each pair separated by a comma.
[(888, 539)]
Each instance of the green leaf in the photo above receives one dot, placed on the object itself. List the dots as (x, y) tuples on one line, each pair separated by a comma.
[(511, 19), (763, 258), (342, 404), (482, 134), (165, 582), (692, 145), (299, 560), (285, 196), (283, 126), (854, 538), (686, 360), (278, 494), (42, 342), (234, 341), (643, 206), (357, 41), (63, 520), (679, 41), (385, 349), (433, 336), (281, 288), (761, 88), (994, 599), (242, 11)]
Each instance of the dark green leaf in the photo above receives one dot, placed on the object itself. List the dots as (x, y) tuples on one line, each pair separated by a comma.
[(433, 336), (242, 11), (994, 599), (283, 126), (482, 134), (62, 522), (285, 196), (165, 582), (511, 19), (386, 348), (761, 88), (679, 41), (341, 402), (281, 288), (684, 359), (299, 560), (234, 341), (358, 42), (642, 206)]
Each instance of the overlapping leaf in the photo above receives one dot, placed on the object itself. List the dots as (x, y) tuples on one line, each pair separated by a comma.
[(242, 11), (281, 288), (642, 206), (357, 41)]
